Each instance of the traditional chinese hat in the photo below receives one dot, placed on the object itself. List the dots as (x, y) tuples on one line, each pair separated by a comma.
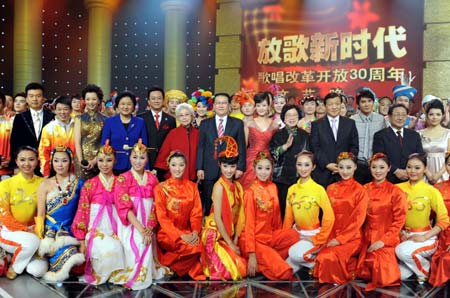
[(106, 149), (405, 89), (205, 97), (139, 147), (243, 96), (175, 94), (231, 149)]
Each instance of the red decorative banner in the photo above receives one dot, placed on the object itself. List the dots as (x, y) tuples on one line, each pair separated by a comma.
[(310, 46)]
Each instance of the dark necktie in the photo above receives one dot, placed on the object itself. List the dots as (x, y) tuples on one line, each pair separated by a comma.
[(400, 138)]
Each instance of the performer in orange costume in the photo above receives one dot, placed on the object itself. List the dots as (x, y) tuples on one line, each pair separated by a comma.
[(386, 216), (336, 263), (223, 226), (263, 241), (440, 262), (179, 213)]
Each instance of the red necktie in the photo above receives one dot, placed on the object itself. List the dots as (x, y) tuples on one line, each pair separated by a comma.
[(220, 130), (400, 138), (157, 121)]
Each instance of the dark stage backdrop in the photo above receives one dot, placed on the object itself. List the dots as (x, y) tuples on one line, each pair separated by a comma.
[(138, 46), (310, 47), (6, 45), (137, 60)]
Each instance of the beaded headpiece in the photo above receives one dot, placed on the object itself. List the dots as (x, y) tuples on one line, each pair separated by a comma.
[(309, 98), (243, 96), (262, 155), (376, 156), (346, 155), (61, 148), (231, 149), (139, 147), (106, 149)]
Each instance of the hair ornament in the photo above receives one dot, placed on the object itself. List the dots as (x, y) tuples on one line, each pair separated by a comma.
[(345, 155), (262, 155), (172, 153), (376, 156)]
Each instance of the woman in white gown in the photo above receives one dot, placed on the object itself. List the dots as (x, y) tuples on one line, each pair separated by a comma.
[(96, 222)]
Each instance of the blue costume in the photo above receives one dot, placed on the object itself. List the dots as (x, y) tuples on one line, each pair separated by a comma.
[(59, 244)]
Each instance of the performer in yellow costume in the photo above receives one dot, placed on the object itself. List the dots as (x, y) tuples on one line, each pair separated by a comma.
[(18, 203), (419, 239)]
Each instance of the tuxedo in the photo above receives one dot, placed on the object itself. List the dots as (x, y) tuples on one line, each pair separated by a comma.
[(23, 132), (386, 141), (205, 153), (326, 149), (157, 136)]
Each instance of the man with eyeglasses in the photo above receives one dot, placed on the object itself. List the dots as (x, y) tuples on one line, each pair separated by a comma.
[(397, 143)]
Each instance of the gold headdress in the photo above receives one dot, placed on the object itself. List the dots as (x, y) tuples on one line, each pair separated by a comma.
[(106, 149), (177, 94), (139, 147), (61, 148)]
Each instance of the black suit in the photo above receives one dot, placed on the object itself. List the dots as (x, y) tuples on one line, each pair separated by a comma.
[(205, 153), (326, 148), (23, 133), (386, 141), (157, 136)]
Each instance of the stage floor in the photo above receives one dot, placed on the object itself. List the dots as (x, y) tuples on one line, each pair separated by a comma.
[(27, 286)]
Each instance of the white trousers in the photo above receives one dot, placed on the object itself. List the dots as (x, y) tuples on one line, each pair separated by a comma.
[(303, 253), (414, 257), (22, 245)]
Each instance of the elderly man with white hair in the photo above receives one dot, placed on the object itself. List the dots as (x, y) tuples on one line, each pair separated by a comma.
[(184, 138)]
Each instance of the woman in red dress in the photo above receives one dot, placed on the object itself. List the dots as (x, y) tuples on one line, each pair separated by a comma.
[(386, 216), (336, 263), (258, 133), (440, 263)]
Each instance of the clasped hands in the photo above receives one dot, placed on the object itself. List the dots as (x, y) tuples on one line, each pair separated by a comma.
[(191, 238)]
